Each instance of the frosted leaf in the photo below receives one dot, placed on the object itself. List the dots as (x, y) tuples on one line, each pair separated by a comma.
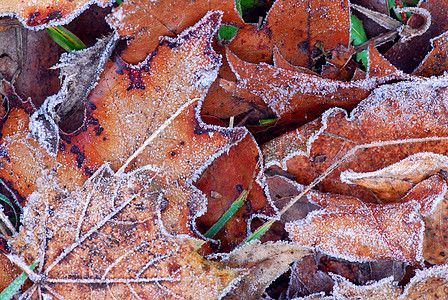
[(392, 182), (105, 241), (356, 231), (429, 283), (297, 96), (37, 15), (264, 263), (79, 71), (145, 21), (394, 122)]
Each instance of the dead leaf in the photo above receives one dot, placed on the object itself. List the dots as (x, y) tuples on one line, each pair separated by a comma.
[(106, 240), (46, 13), (383, 289), (428, 284), (350, 229), (298, 96), (265, 262), (292, 19), (145, 21), (408, 55), (391, 114), (229, 175), (393, 182), (306, 279), (435, 62)]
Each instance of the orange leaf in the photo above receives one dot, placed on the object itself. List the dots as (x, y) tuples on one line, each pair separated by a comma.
[(298, 96), (46, 13), (389, 116), (106, 241), (145, 21)]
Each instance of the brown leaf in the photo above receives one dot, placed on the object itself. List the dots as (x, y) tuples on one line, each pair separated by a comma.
[(296, 21), (428, 284), (145, 21), (393, 182), (436, 61), (306, 279), (105, 241), (350, 229), (435, 245), (116, 123), (383, 289), (228, 176), (298, 96), (406, 110), (46, 13), (408, 55), (264, 262)]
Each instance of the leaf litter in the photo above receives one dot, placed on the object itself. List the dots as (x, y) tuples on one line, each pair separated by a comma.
[(396, 121)]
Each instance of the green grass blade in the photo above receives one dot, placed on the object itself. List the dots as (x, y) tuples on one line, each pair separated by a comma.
[(65, 38), (16, 284), (267, 121), (226, 32), (227, 215), (357, 37), (260, 231), (4, 199)]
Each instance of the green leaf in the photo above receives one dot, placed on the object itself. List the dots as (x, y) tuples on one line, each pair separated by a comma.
[(119, 1), (227, 215), (357, 37), (242, 5), (16, 284), (226, 32), (4, 199), (65, 38)]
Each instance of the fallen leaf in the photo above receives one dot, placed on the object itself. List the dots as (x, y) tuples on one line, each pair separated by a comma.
[(46, 13), (382, 289), (292, 19), (264, 262), (229, 175), (435, 62), (145, 21), (435, 245), (350, 229), (306, 279), (428, 284), (384, 120), (298, 96), (106, 240), (408, 55), (393, 182)]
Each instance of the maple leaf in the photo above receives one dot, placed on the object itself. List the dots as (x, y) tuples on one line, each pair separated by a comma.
[(116, 124), (105, 240)]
